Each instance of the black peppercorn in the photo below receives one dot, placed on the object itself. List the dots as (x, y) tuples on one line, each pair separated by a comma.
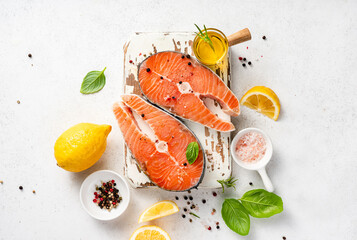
[(264, 37), (148, 69), (190, 197), (251, 184), (217, 227), (183, 56), (243, 64), (180, 82), (185, 197), (161, 77), (173, 97), (21, 188), (185, 209), (244, 59), (30, 55), (203, 201), (188, 56), (185, 164), (142, 115), (183, 215), (188, 203), (177, 198), (284, 238), (189, 63), (249, 63)]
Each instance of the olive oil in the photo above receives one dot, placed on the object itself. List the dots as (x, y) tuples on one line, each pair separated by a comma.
[(203, 51)]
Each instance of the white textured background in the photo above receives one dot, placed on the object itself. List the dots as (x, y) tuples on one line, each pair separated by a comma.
[(309, 60)]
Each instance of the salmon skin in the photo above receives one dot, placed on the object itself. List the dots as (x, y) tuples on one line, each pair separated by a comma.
[(158, 143), (178, 83)]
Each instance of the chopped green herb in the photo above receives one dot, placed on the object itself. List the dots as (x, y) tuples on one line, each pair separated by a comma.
[(194, 215)]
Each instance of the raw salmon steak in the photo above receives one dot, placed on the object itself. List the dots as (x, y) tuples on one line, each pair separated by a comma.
[(158, 142), (179, 84)]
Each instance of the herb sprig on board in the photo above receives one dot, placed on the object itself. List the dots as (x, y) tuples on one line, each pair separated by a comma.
[(230, 182), (204, 36)]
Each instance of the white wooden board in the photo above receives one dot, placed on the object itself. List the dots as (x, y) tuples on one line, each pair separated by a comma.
[(215, 144)]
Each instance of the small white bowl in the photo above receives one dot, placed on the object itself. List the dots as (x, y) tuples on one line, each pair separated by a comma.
[(86, 194), (258, 165)]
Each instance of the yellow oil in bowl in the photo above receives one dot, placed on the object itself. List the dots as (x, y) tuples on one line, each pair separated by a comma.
[(203, 51)]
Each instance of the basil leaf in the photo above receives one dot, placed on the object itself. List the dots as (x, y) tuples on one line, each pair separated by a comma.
[(192, 152), (235, 216), (93, 82), (261, 203)]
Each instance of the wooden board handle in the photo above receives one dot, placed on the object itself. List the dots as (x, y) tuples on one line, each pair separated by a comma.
[(239, 37)]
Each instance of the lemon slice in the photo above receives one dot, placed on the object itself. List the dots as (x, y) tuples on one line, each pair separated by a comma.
[(263, 100), (150, 232), (158, 210)]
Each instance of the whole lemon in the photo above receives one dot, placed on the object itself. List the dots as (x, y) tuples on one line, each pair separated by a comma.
[(81, 146)]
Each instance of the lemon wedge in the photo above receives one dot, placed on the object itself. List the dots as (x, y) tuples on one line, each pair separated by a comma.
[(158, 210), (263, 100), (150, 232)]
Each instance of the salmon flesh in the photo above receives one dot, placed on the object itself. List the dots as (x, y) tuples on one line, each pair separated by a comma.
[(158, 142), (179, 84)]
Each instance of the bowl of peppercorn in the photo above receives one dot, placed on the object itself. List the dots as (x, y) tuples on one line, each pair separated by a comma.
[(104, 195)]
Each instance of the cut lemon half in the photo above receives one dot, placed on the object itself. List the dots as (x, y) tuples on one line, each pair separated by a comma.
[(150, 232), (158, 210), (263, 100)]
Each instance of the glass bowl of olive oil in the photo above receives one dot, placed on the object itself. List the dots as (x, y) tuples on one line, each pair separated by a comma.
[(204, 52)]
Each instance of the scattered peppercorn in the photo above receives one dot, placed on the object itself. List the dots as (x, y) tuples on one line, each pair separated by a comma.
[(161, 77), (21, 188), (190, 220), (240, 58), (142, 115), (183, 215), (251, 184), (264, 37), (18, 101), (30, 55), (185, 164), (180, 82), (190, 197), (185, 209), (188, 203), (189, 191), (209, 228), (183, 56), (214, 194), (148, 69), (243, 64), (284, 238), (33, 191), (193, 206), (1, 182), (189, 63), (203, 201), (217, 223), (188, 56), (173, 97), (249, 63), (217, 227), (244, 59), (130, 61), (177, 198), (185, 197)]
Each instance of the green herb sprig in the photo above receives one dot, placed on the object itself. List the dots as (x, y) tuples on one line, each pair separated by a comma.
[(192, 151), (93, 82), (257, 203), (230, 182), (204, 36)]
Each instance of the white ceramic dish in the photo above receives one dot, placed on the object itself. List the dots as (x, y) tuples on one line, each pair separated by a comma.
[(259, 165), (86, 194)]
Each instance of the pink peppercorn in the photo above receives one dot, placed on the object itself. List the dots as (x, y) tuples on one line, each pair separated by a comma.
[(94, 200)]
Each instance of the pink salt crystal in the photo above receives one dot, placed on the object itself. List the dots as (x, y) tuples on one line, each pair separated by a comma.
[(251, 147)]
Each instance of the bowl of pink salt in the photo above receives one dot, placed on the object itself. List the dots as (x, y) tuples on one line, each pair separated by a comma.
[(252, 149)]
